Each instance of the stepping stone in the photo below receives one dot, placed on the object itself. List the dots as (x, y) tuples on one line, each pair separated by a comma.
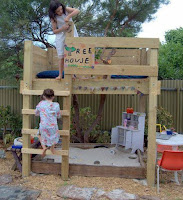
[(117, 194), (13, 192), (73, 192), (2, 154), (5, 179), (148, 197)]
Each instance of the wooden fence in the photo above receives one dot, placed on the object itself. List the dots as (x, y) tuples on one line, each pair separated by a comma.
[(171, 99)]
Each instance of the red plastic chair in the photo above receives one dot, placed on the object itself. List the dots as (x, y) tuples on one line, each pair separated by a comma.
[(170, 161)]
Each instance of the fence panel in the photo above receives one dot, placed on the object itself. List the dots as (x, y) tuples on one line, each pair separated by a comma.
[(171, 99)]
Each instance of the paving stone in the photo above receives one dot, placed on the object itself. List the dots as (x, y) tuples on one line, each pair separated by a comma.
[(119, 194), (76, 193), (2, 154), (14, 193), (5, 179), (148, 197), (142, 182)]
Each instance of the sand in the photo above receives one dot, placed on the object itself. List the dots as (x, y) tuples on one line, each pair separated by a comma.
[(106, 156)]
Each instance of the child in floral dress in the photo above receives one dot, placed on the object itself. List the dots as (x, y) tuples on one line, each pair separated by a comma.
[(48, 111)]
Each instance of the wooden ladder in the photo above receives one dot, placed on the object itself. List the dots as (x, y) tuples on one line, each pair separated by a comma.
[(65, 133)]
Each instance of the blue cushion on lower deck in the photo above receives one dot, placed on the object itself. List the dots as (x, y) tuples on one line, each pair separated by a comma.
[(127, 77), (54, 74), (49, 74)]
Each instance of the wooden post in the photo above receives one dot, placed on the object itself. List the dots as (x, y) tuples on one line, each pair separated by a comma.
[(28, 64), (66, 119), (142, 103), (151, 156), (66, 126), (50, 58)]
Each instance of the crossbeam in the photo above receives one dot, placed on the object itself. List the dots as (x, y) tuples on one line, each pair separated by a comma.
[(40, 92), (139, 70), (123, 42), (34, 132), (32, 112), (48, 152)]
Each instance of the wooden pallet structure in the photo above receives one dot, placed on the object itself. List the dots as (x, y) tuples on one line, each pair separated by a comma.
[(133, 56)]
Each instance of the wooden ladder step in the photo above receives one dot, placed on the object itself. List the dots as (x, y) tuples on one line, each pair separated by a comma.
[(40, 92), (32, 112), (64, 133), (48, 152)]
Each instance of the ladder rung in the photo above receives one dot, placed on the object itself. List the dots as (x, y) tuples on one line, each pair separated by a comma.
[(34, 132), (40, 92), (32, 112), (48, 152)]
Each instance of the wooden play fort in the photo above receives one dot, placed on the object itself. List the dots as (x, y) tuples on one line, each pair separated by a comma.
[(133, 57)]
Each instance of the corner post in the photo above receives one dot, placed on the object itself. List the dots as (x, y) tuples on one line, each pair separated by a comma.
[(151, 156), (66, 119), (27, 77)]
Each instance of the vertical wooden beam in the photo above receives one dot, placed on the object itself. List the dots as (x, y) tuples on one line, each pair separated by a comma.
[(66, 119), (50, 58), (142, 103), (27, 76), (66, 126), (151, 155), (143, 57)]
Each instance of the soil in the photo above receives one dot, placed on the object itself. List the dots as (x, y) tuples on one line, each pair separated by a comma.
[(49, 184)]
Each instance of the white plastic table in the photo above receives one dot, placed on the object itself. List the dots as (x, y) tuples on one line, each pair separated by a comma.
[(174, 141)]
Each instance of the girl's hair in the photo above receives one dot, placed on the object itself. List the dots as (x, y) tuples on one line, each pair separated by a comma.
[(54, 4), (48, 94)]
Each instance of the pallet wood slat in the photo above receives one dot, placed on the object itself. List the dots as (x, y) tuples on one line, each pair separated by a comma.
[(32, 112), (48, 152), (122, 42), (34, 132), (40, 92), (139, 70)]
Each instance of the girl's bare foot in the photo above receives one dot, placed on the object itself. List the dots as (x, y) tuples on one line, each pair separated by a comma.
[(44, 152), (58, 78)]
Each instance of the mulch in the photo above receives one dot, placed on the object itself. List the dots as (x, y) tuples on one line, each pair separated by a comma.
[(49, 184)]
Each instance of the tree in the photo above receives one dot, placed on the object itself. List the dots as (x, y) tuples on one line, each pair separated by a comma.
[(28, 19), (171, 55)]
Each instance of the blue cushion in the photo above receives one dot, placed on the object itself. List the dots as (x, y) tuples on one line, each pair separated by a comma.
[(49, 74), (127, 77), (16, 146)]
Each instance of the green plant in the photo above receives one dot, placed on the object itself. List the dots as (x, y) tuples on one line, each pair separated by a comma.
[(86, 118), (163, 118), (104, 137), (9, 120), (98, 54), (5, 115), (8, 138), (15, 125)]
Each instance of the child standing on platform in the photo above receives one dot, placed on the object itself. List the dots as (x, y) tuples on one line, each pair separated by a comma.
[(60, 16), (48, 111)]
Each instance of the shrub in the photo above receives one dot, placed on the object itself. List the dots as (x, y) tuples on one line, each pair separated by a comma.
[(86, 120), (163, 118), (12, 121)]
